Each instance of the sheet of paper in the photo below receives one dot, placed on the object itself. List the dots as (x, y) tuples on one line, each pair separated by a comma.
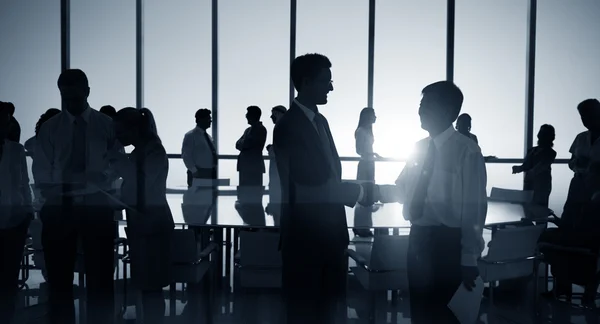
[(210, 182), (465, 304)]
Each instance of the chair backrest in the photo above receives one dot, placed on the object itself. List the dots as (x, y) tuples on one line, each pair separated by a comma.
[(185, 247), (389, 252), (259, 249), (514, 243), (511, 195)]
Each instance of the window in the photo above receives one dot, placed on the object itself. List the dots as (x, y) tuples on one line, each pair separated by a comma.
[(339, 30), (490, 67), (30, 56), (567, 69), (177, 66), (254, 55), (410, 53), (103, 46)]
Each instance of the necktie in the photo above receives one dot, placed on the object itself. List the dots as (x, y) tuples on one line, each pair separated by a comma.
[(212, 149), (77, 163), (418, 201), (320, 122)]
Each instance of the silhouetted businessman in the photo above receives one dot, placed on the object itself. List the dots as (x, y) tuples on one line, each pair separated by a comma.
[(198, 150), (250, 163), (443, 189), (71, 168), (314, 232)]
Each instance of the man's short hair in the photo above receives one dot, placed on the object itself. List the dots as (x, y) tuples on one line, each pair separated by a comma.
[(73, 77), (588, 105), (279, 108), (307, 66), (202, 113), (254, 111), (465, 117), (447, 94), (108, 110)]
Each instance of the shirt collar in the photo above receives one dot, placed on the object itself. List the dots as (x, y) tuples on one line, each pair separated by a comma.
[(85, 114), (307, 111), (199, 129), (443, 137)]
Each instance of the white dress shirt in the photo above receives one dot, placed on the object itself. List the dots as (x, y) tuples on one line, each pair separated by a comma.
[(311, 117), (456, 195), (54, 146), (196, 151), (15, 194)]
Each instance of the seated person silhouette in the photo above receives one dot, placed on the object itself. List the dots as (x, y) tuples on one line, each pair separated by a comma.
[(538, 166)]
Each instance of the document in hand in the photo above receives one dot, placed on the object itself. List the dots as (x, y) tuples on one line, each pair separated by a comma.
[(465, 304)]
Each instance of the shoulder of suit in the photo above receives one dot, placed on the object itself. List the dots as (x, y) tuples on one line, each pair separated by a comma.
[(101, 116), (190, 132), (13, 146)]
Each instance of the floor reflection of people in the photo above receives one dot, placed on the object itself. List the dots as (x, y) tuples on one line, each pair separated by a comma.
[(149, 220), (197, 205), (364, 140), (538, 166)]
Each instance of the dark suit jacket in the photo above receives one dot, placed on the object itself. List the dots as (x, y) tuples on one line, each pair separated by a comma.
[(251, 148), (313, 195)]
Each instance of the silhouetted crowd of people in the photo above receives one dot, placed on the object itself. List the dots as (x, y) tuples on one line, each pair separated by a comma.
[(79, 161)]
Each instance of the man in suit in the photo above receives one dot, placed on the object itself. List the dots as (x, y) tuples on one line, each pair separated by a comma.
[(274, 184), (443, 189), (250, 163), (72, 170), (314, 232), (198, 150)]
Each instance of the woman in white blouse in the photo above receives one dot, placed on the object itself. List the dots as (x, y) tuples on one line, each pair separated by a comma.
[(16, 213), (149, 220), (366, 166)]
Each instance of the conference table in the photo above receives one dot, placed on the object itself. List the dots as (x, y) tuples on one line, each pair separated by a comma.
[(222, 218)]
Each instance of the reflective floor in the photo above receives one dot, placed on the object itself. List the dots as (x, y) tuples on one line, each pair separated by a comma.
[(513, 305)]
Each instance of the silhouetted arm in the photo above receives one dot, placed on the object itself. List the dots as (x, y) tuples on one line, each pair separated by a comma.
[(24, 183), (187, 153), (256, 138), (329, 191), (398, 192), (240, 142), (474, 209)]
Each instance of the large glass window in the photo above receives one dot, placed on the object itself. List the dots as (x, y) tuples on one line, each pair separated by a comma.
[(177, 66), (103, 46), (567, 69), (490, 66), (339, 30), (30, 59), (410, 53), (254, 46)]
